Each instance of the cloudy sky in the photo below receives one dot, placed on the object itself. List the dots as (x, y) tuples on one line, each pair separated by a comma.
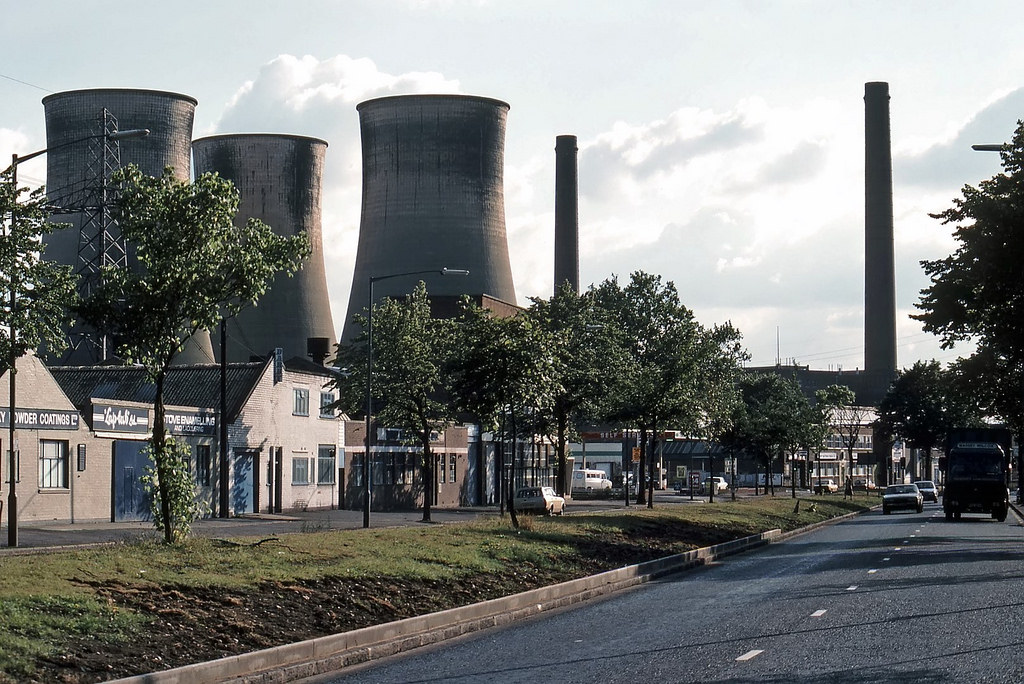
[(721, 143)]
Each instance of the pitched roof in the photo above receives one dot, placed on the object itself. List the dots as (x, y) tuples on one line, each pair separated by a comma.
[(194, 385)]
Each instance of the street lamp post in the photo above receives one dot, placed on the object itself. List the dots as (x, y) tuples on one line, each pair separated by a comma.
[(12, 472), (367, 488)]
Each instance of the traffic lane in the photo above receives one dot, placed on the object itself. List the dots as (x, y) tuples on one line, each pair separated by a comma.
[(694, 627)]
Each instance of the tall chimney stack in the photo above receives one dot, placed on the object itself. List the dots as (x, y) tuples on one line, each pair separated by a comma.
[(879, 259), (567, 245)]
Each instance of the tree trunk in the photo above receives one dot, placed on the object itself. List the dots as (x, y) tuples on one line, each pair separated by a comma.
[(428, 476), (157, 444), (651, 464), (563, 420), (641, 495)]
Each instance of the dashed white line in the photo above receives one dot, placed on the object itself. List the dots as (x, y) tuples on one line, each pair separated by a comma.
[(852, 587), (818, 613), (898, 548), (750, 655), (872, 571), (886, 560)]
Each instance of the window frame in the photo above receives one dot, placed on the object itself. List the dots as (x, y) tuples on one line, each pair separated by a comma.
[(46, 473), (322, 460), (300, 401), (296, 460)]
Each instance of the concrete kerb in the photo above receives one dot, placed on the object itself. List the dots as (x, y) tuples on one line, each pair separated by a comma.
[(330, 653)]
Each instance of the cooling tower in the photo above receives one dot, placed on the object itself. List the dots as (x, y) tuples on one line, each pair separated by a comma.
[(74, 122), (278, 179), (567, 245), (879, 259), (433, 198)]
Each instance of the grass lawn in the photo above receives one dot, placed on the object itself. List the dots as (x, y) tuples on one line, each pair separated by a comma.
[(97, 614)]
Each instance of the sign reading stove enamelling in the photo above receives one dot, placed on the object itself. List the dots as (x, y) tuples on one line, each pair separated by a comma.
[(39, 419), (198, 422), (107, 418)]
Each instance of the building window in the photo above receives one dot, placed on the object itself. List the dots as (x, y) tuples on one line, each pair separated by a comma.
[(326, 399), (440, 469), (300, 470), (301, 404), (53, 464), (325, 464), (355, 474), (203, 464), (451, 468)]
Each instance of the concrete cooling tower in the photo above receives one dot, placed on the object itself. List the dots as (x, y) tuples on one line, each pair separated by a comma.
[(433, 198), (75, 122), (279, 182)]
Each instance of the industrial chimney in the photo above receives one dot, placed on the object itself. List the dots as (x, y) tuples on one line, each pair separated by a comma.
[(879, 259), (76, 124), (278, 178), (433, 198), (567, 258)]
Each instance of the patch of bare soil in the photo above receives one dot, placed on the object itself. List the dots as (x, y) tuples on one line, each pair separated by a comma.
[(192, 625)]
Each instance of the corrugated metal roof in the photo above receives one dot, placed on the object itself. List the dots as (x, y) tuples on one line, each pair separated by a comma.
[(195, 385)]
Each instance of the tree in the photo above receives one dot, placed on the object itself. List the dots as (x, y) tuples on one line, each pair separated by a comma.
[(36, 296), (921, 406), (410, 348), (976, 294), (583, 361), (675, 371), (772, 418), (194, 266), (823, 416), (503, 373)]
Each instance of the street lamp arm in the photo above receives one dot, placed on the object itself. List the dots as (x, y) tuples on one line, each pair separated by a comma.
[(116, 135)]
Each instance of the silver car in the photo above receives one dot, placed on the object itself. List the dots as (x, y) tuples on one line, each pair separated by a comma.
[(900, 496), (539, 500), (928, 490)]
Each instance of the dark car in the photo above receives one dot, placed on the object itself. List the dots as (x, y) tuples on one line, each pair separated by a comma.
[(928, 490), (902, 496)]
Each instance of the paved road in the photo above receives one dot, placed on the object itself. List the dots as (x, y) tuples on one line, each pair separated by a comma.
[(899, 598)]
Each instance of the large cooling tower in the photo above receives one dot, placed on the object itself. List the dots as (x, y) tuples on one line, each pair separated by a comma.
[(74, 124), (567, 259), (879, 258), (433, 198), (279, 179)]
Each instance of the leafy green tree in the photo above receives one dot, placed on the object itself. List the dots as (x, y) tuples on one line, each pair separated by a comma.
[(44, 292), (194, 266), (503, 372), (976, 294), (675, 372), (772, 419), (583, 360), (922, 405), (410, 348), (823, 417)]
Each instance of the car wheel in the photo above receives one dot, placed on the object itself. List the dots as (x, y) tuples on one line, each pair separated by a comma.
[(949, 514), (885, 511), (920, 509)]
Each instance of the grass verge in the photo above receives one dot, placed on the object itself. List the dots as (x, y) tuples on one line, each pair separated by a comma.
[(90, 615)]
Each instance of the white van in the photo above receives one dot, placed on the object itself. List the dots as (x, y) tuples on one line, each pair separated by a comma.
[(590, 480)]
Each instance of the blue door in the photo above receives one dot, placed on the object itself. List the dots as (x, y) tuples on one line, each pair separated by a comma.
[(243, 483), (131, 502)]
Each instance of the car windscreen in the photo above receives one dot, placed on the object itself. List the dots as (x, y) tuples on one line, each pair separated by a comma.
[(901, 489), (977, 465)]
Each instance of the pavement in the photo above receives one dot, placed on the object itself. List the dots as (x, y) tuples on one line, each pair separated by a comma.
[(37, 536)]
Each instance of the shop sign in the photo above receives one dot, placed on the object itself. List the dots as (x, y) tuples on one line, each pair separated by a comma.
[(109, 418), (198, 422), (39, 419)]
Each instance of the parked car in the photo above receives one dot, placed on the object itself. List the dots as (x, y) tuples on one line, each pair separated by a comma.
[(864, 486), (902, 496), (928, 490), (538, 500), (718, 483), (826, 487)]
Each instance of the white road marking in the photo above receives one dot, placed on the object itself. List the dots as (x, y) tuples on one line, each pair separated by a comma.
[(898, 548), (750, 655), (818, 613), (885, 560), (872, 571), (852, 587)]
